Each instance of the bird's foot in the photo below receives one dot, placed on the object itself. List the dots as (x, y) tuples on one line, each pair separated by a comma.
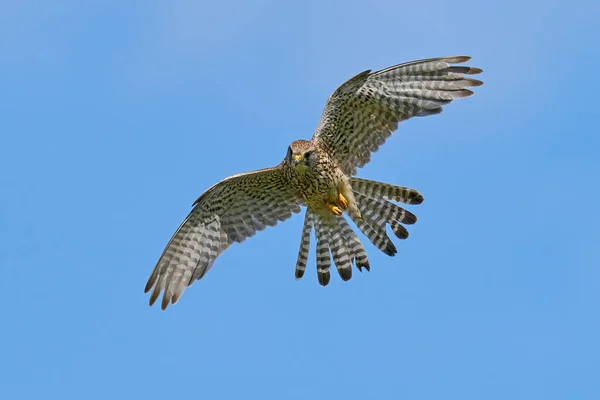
[(342, 201), (334, 209)]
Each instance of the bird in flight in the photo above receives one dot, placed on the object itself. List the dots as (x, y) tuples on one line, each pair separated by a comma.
[(319, 175)]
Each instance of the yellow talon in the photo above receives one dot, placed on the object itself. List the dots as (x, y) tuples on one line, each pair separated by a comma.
[(342, 200), (334, 209)]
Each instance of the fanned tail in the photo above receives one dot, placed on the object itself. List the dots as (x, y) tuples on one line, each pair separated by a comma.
[(337, 240)]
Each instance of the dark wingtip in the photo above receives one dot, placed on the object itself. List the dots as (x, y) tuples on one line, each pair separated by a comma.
[(299, 274), (165, 301), (153, 297), (150, 283), (474, 82), (148, 287)]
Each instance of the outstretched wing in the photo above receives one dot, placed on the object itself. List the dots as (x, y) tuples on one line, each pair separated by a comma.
[(228, 212), (362, 113)]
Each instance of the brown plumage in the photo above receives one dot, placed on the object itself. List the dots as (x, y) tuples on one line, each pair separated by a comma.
[(318, 173)]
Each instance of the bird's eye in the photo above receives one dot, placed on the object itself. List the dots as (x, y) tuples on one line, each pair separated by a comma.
[(308, 155), (289, 153)]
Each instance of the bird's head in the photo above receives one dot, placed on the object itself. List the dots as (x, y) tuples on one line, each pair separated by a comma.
[(301, 155)]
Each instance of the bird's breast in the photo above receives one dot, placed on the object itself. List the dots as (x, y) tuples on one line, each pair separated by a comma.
[(320, 188)]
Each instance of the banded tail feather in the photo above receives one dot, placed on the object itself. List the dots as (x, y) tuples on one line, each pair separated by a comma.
[(386, 209), (373, 227), (339, 239), (304, 244), (336, 239), (339, 250), (392, 213), (377, 212), (382, 211), (374, 190), (323, 258), (400, 231), (354, 246)]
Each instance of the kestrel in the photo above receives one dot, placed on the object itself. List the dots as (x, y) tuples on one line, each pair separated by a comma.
[(318, 174)]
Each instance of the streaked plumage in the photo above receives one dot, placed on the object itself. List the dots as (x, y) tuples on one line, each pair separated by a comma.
[(358, 117)]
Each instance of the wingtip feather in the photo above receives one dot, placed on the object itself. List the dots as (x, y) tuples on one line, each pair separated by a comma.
[(165, 301), (149, 285), (474, 71), (456, 59), (461, 94), (154, 296), (151, 281)]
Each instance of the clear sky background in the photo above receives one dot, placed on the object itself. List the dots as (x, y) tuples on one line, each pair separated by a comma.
[(116, 115)]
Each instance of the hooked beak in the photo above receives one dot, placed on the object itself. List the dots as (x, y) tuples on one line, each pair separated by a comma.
[(297, 158)]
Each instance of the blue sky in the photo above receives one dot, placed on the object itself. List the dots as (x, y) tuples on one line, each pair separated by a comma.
[(117, 115)]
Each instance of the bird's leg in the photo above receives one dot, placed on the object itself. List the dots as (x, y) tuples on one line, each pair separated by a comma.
[(342, 204), (342, 201), (334, 209)]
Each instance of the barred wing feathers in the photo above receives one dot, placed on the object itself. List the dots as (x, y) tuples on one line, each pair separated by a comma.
[(363, 112), (228, 212)]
